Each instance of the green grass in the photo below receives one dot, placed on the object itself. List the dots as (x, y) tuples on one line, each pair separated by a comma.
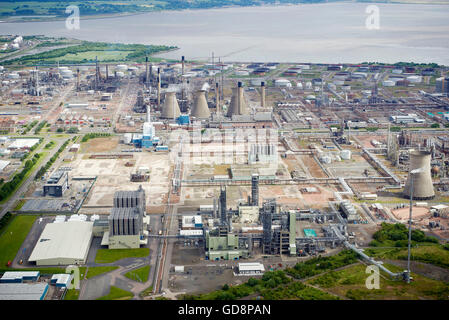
[(96, 271), (140, 275), (19, 204), (112, 255), (148, 291), (12, 237), (350, 283), (432, 254), (117, 294), (72, 294)]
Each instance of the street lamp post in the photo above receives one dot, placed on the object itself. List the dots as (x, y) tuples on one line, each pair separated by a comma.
[(412, 173)]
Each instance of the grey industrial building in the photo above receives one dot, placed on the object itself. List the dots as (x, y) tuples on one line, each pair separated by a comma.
[(56, 184), (126, 220)]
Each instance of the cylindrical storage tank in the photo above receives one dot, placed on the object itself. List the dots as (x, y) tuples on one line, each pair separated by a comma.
[(422, 181), (388, 83), (299, 85), (281, 83), (241, 72), (121, 67), (345, 154)]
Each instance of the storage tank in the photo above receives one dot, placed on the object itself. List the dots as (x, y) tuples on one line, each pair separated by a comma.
[(121, 67), (422, 181), (241, 72), (282, 83), (345, 154)]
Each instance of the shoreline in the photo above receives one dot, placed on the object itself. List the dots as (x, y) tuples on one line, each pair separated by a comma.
[(128, 14)]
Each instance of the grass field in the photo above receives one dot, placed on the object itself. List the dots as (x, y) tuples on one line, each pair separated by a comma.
[(12, 237), (140, 275), (108, 256), (432, 254), (117, 294), (72, 294), (90, 55), (350, 283), (96, 271)]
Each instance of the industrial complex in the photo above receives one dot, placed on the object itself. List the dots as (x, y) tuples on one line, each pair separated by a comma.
[(224, 168)]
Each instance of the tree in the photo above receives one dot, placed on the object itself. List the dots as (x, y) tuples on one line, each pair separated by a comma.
[(60, 130), (435, 125)]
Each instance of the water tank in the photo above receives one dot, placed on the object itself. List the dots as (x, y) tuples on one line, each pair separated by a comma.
[(345, 154), (388, 83)]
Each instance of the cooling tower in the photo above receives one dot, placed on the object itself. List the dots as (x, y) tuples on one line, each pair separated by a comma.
[(200, 109), (170, 110), (422, 181), (238, 104)]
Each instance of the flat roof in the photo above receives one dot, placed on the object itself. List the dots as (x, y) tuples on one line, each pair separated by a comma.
[(251, 266), (23, 291), (69, 239), (20, 274)]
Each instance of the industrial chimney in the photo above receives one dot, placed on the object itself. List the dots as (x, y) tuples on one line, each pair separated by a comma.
[(170, 110), (200, 108), (217, 98), (147, 79), (183, 62), (422, 181), (158, 87), (262, 94)]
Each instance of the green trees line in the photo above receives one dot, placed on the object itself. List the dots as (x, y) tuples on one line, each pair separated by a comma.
[(9, 187), (47, 166)]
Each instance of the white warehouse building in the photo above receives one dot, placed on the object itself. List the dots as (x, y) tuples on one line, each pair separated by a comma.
[(63, 243)]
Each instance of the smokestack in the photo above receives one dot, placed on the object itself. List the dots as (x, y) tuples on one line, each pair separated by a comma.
[(239, 97), (422, 181), (158, 87), (107, 72), (217, 98), (200, 108), (78, 79), (146, 72), (182, 60), (262, 94), (170, 110)]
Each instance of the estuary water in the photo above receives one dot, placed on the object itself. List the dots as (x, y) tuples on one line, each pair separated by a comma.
[(328, 33)]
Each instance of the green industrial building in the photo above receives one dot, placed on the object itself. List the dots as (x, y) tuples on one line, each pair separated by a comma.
[(224, 248)]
